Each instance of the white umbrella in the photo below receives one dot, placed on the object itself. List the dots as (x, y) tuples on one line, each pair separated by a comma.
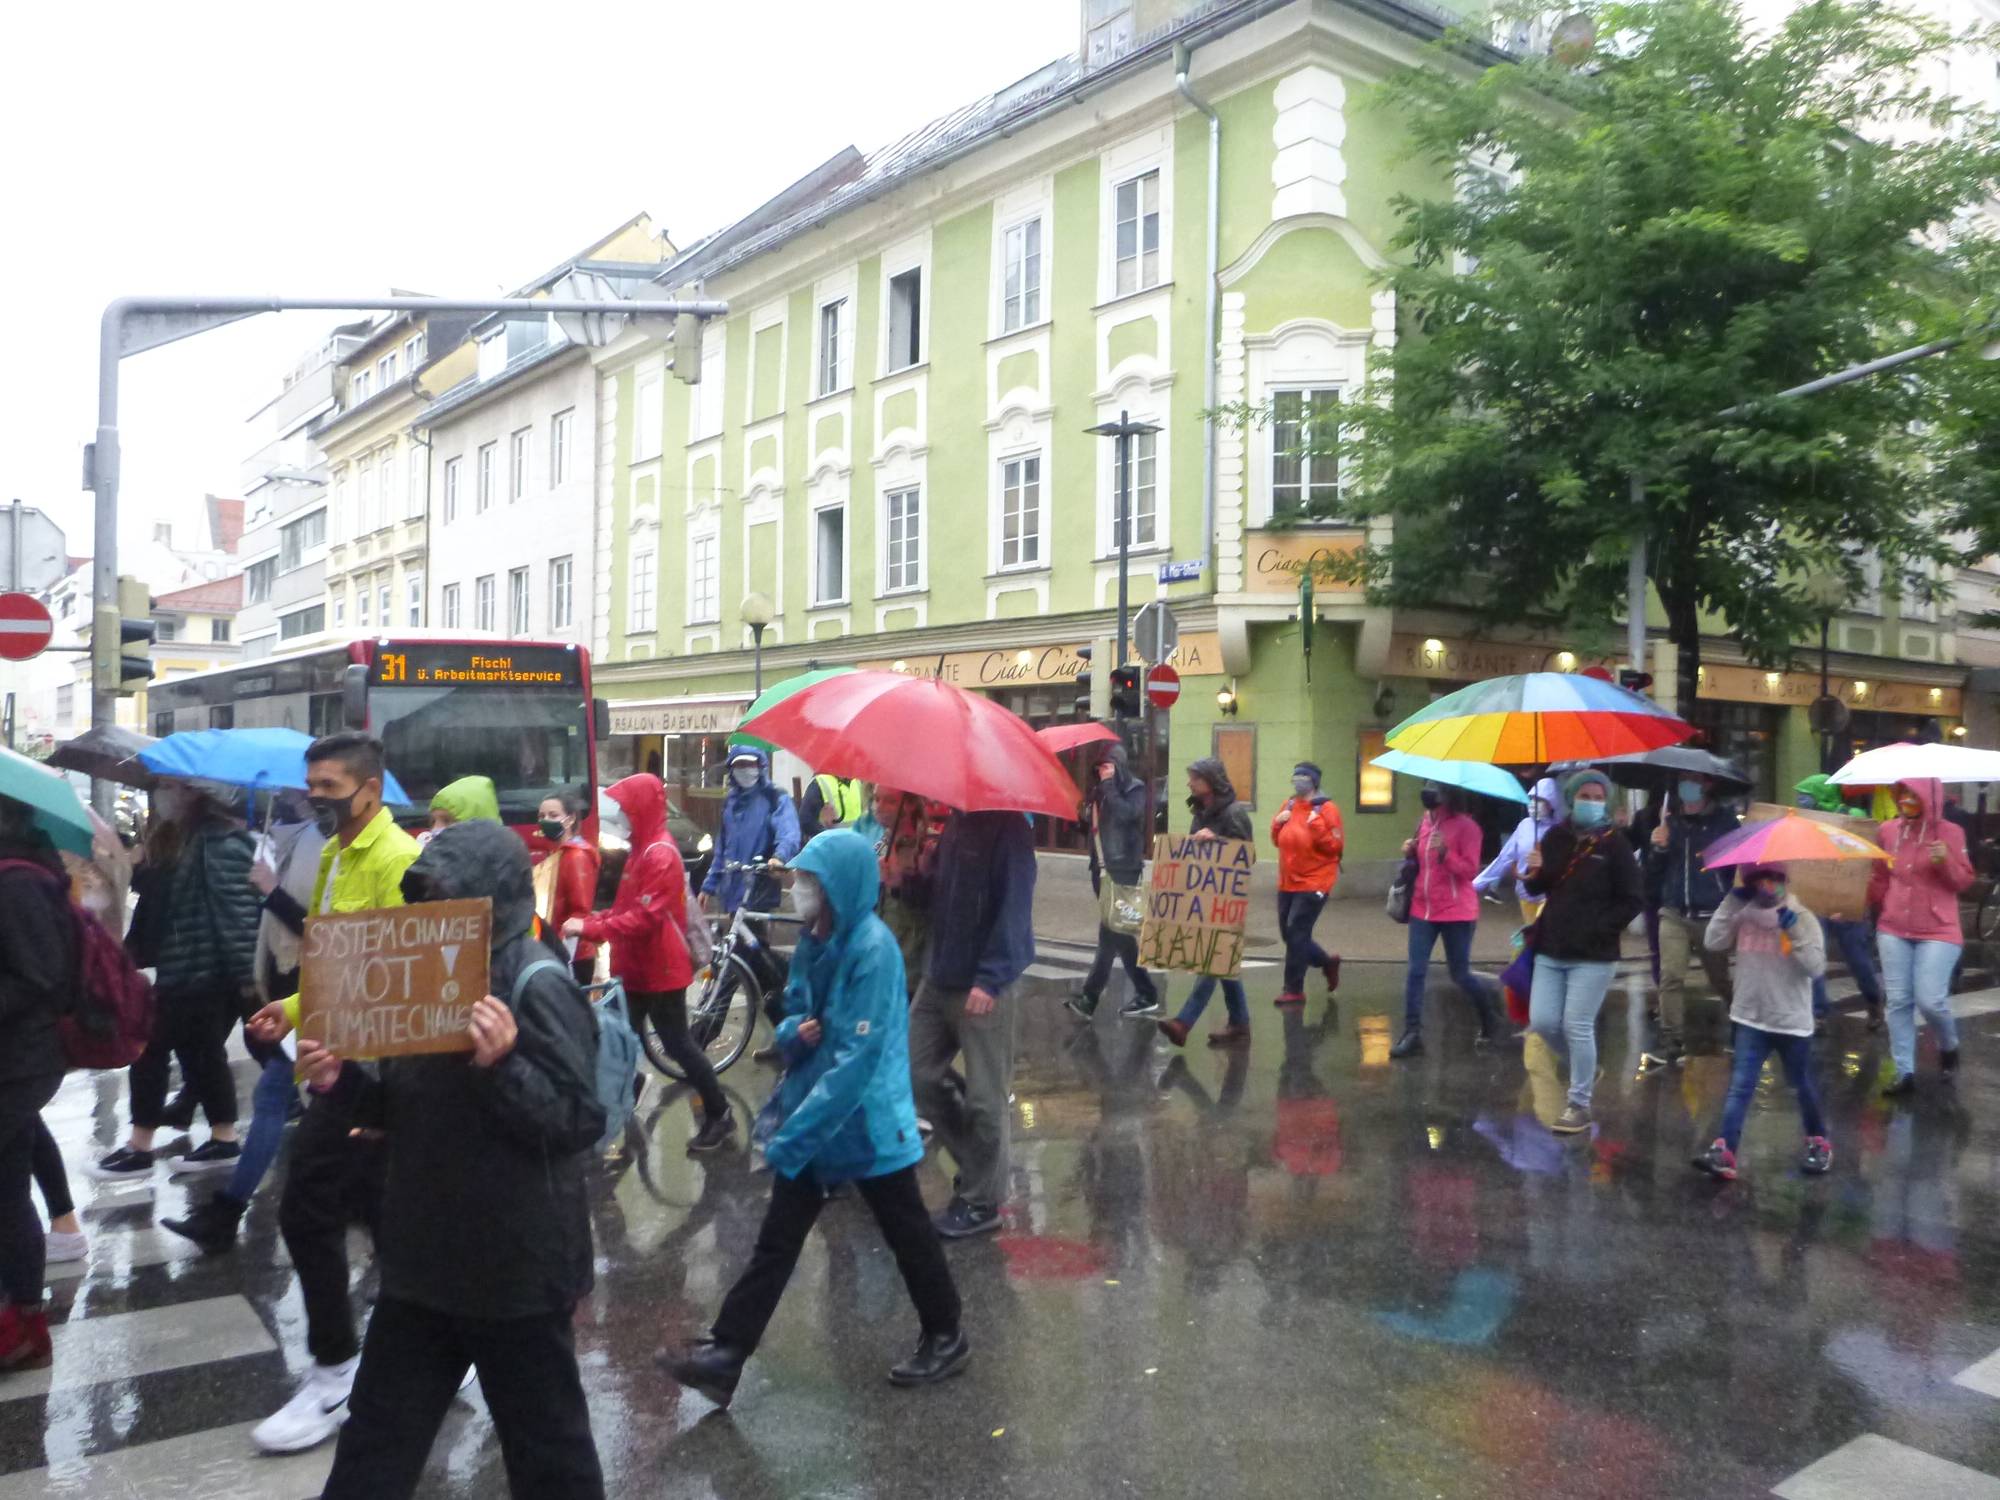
[(1906, 762)]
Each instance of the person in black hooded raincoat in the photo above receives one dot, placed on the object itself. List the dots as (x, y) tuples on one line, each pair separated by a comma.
[(484, 1241), (1114, 818)]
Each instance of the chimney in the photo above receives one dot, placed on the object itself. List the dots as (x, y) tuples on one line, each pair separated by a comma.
[(163, 533)]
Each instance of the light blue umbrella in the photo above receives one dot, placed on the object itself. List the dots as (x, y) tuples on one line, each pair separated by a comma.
[(1472, 775), (58, 811), (262, 760)]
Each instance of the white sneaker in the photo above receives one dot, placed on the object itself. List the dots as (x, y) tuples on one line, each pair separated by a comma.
[(313, 1415), (65, 1248)]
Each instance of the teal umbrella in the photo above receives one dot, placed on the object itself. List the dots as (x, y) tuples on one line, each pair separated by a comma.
[(59, 812), (1472, 775), (778, 692)]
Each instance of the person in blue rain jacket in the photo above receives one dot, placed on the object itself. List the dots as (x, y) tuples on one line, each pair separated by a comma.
[(844, 1114), (760, 825)]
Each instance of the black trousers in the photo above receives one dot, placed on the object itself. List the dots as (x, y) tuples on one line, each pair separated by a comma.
[(1124, 948), (667, 1011), (50, 1175), (23, 1250), (334, 1181), (193, 1026), (411, 1370), (905, 1223), (1297, 911)]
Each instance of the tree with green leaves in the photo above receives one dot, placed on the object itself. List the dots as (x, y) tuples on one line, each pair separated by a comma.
[(1676, 224)]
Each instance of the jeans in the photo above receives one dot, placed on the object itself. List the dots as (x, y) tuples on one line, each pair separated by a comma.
[(898, 1206), (969, 1109), (23, 1249), (1917, 976), (667, 1010), (1753, 1045), (49, 1174), (409, 1373), (193, 1026), (1122, 947), (270, 1103), (1297, 911), (1563, 1003), (1233, 1001), (335, 1180), (1854, 947), (1681, 938), (1458, 959)]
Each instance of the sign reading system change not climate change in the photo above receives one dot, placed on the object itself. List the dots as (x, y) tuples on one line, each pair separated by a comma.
[(1196, 905), (395, 982)]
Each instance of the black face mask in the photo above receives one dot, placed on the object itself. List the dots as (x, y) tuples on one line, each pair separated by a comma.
[(329, 813), (552, 829), (1431, 797)]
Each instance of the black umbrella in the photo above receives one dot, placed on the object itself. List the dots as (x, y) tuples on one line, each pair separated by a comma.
[(1655, 770), (109, 753)]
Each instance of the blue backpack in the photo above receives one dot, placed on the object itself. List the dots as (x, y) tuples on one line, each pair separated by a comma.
[(617, 1049)]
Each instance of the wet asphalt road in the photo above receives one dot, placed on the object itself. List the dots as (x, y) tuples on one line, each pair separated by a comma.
[(1300, 1269)]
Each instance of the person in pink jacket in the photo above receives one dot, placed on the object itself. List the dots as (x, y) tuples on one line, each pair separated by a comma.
[(1917, 932), (1443, 904)]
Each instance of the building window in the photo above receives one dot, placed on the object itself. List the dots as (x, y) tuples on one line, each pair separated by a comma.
[(296, 538), (448, 603), (258, 578), (1021, 511), (484, 500), (364, 496), (361, 387), (166, 630), (382, 611), (1137, 213), (364, 597), (1144, 502), (831, 316), (413, 595), (559, 431), (218, 629), (417, 471), (385, 369), (1021, 290), (517, 601), (904, 546), (517, 466), (340, 610), (639, 595), (452, 466), (704, 579), (302, 622), (413, 352), (222, 716), (562, 607), (65, 702), (482, 602), (906, 314), (707, 403), (1303, 483), (647, 420), (830, 554)]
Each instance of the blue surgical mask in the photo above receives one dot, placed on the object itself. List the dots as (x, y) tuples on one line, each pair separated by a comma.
[(1805, 801), (1692, 792), (1587, 814)]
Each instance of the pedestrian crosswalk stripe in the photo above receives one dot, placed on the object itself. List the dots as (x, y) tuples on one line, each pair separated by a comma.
[(219, 1464), (1872, 1467), (1983, 1377), (117, 1252), (124, 1346)]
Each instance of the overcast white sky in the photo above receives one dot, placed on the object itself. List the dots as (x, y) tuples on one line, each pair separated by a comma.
[(444, 146)]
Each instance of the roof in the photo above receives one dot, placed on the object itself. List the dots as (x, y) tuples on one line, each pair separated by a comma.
[(582, 258), (471, 391), (216, 597), (225, 523)]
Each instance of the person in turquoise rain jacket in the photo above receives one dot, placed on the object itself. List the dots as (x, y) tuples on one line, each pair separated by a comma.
[(844, 1114)]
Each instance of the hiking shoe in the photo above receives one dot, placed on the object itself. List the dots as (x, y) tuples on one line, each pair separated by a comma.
[(962, 1218), (939, 1356), (1719, 1161), (1175, 1031), (714, 1133), (1901, 1087), (1332, 972), (122, 1165), (1818, 1157), (1140, 1008), (314, 1414), (1574, 1120), (209, 1156), (1082, 1005), (1948, 1065), (1232, 1035), (1291, 997)]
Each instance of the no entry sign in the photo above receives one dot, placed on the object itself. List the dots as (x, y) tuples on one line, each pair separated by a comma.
[(1163, 686), (25, 627)]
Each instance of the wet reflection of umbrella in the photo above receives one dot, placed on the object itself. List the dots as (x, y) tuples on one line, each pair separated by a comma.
[(1537, 717), (1472, 775), (58, 812), (110, 752)]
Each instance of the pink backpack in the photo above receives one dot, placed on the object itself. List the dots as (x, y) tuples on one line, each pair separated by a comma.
[(110, 1017)]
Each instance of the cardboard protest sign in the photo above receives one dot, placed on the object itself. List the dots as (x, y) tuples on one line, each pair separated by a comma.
[(1196, 904), (395, 982), (1826, 886)]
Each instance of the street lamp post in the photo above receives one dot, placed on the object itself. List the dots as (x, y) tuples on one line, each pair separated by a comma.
[(1828, 591), (1124, 430), (757, 613)]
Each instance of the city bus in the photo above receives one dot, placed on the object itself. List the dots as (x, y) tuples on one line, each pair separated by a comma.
[(445, 704)]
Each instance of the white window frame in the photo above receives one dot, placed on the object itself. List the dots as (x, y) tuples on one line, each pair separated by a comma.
[(833, 346), (562, 592), (562, 427), (1021, 563), (648, 416), (339, 615), (385, 592), (642, 591), (1126, 162), (705, 410), (520, 603), (840, 595), (386, 368), (483, 602), (1305, 354), (453, 467), (416, 471), (360, 386), (449, 600), (413, 598), (1307, 482), (484, 477), (916, 583), (1031, 299), (1136, 185), (520, 454), (1108, 531), (364, 494), (704, 588), (364, 598), (413, 352), (892, 362)]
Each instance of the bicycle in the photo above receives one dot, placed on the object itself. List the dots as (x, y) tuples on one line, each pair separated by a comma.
[(727, 996)]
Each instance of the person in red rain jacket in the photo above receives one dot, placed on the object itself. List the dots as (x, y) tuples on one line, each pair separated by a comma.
[(566, 875), (1309, 837), (647, 930)]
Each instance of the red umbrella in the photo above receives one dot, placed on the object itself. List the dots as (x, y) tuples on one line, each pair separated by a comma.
[(1061, 737), (924, 736)]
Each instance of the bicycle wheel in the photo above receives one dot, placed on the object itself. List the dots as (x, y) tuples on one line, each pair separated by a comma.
[(722, 1015)]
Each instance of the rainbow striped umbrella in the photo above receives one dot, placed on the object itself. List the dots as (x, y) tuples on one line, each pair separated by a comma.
[(1535, 718), (1778, 841)]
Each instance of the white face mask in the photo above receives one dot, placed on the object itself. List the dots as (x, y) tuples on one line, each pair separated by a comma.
[(808, 897), (744, 776), (611, 818)]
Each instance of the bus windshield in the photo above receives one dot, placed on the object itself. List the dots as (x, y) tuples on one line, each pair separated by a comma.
[(531, 742)]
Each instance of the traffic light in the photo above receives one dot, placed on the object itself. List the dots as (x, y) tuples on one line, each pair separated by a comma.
[(1634, 682), (687, 348), (1125, 691), (1085, 688), (121, 640)]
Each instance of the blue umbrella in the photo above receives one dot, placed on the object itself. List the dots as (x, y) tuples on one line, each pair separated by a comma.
[(262, 760), (1472, 775), (58, 811)]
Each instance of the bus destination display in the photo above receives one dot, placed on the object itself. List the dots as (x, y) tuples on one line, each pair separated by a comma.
[(445, 664)]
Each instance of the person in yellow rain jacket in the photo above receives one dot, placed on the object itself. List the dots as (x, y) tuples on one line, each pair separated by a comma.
[(470, 799)]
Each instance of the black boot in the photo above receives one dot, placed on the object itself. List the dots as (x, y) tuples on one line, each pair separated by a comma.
[(1409, 1044), (706, 1366), (939, 1356), (212, 1225)]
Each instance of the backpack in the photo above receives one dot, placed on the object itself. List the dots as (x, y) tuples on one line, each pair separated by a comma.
[(110, 1017), (617, 1048)]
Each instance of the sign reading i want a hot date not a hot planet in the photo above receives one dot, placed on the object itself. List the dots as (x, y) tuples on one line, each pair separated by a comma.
[(394, 982), (1197, 901)]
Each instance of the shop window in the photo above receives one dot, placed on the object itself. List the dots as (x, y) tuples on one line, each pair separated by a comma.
[(1374, 787)]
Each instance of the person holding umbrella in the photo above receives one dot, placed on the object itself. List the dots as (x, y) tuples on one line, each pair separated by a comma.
[(1918, 933), (1443, 907)]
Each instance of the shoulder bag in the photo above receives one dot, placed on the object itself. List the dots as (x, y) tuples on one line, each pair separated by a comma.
[(1121, 908)]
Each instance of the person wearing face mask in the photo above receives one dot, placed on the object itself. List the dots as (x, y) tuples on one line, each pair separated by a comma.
[(647, 930), (470, 799), (566, 875), (1114, 817), (1779, 952), (1852, 934), (1443, 906), (1917, 932), (1687, 893), (1310, 841), (843, 1113), (1588, 880), (760, 826), (1512, 860)]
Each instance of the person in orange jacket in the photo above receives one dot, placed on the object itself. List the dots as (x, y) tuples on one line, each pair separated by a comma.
[(1309, 837)]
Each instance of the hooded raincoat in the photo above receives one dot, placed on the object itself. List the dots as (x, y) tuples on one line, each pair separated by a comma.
[(845, 1104), (1826, 796), (647, 923), (1222, 815), (1917, 897), (1523, 841), (1443, 892), (1115, 813), (470, 799), (758, 824)]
